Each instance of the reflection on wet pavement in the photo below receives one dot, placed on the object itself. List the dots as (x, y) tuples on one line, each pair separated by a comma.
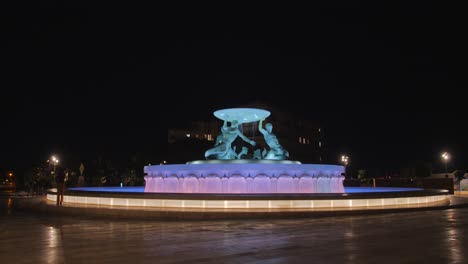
[(437, 236)]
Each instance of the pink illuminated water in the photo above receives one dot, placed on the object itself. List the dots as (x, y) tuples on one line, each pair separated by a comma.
[(244, 178)]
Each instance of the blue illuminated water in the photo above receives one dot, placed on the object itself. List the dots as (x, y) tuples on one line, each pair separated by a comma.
[(141, 189)]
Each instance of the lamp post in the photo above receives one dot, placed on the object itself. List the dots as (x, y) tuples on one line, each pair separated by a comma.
[(445, 158), (344, 160), (53, 161)]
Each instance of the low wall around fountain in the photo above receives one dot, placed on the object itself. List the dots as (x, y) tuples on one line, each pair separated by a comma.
[(228, 177)]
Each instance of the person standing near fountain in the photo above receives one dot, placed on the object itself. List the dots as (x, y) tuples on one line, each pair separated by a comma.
[(223, 149), (276, 152), (60, 180)]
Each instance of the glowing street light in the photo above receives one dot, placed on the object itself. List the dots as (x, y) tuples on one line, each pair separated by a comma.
[(344, 160), (53, 161), (445, 158)]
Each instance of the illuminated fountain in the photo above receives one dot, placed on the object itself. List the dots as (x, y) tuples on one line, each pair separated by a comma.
[(226, 172), (236, 183)]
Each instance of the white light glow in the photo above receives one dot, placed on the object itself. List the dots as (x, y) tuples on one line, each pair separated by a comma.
[(135, 203), (344, 159), (445, 156)]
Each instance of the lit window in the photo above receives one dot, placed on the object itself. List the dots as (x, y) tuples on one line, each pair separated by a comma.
[(320, 144), (319, 129), (188, 135), (209, 137), (300, 139)]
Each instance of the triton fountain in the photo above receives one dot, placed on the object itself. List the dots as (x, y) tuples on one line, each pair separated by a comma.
[(225, 172), (244, 183)]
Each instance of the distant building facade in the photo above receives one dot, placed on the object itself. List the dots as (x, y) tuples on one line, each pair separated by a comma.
[(303, 139)]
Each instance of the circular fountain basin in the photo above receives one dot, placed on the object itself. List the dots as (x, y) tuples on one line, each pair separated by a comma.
[(202, 204), (244, 177)]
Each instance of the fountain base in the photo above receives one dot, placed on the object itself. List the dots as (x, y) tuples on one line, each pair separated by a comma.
[(244, 176)]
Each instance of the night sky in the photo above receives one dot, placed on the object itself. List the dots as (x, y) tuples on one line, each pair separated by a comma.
[(383, 79)]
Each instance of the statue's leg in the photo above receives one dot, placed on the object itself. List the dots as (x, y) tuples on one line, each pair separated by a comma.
[(214, 151), (269, 155), (209, 153)]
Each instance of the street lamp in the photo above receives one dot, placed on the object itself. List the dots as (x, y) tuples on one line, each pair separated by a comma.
[(344, 160), (53, 161), (445, 158)]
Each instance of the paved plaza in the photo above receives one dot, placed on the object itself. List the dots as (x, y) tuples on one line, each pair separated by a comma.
[(433, 236)]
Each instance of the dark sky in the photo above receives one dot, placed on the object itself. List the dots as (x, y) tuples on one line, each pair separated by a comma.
[(384, 79)]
